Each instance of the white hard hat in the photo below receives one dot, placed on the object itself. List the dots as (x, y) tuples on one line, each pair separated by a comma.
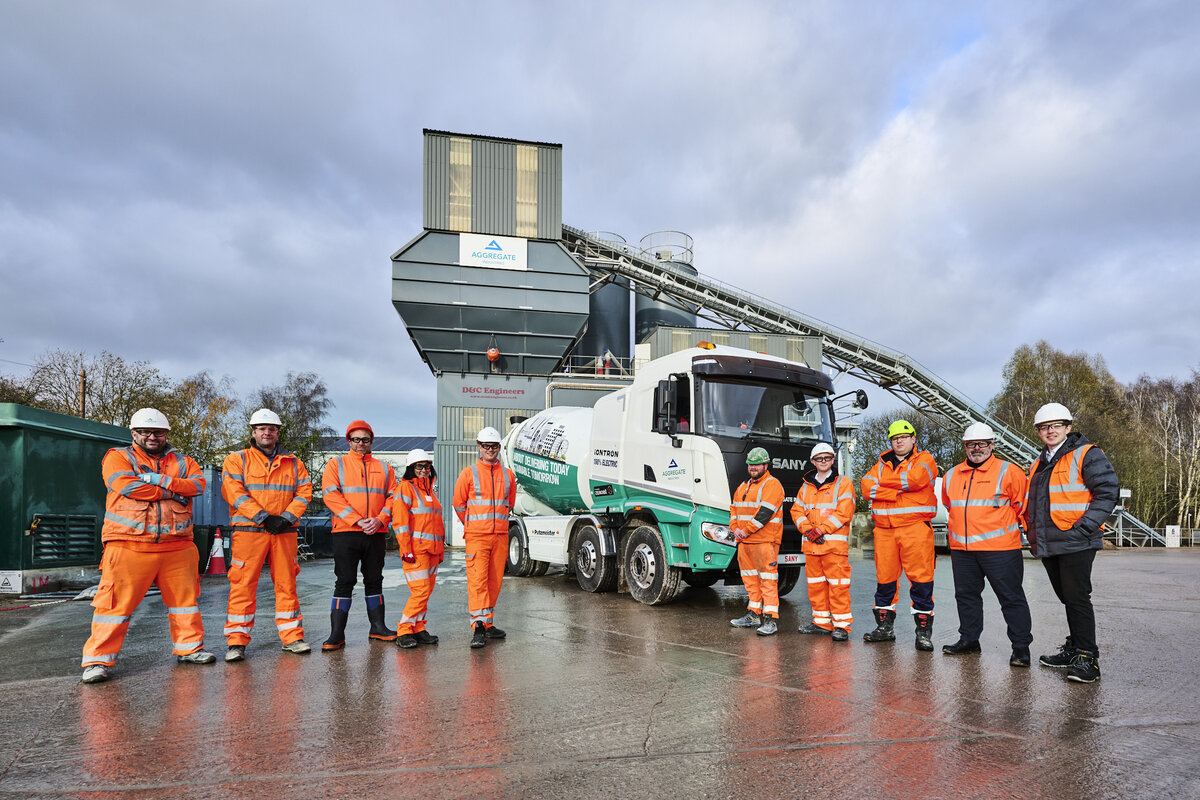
[(1052, 412), (488, 435), (416, 457), (149, 418), (978, 432), (265, 416), (822, 448)]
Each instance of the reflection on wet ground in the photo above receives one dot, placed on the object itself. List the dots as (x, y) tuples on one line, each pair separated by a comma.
[(594, 695)]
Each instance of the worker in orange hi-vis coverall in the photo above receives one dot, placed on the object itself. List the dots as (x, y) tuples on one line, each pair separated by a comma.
[(756, 519), (901, 493), (822, 512), (483, 495), (267, 489), (421, 535), (147, 536)]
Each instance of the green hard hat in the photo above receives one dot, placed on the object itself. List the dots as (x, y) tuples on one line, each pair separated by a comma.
[(758, 456), (901, 427)]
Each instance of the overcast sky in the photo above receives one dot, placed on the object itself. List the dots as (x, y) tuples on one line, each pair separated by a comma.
[(220, 185)]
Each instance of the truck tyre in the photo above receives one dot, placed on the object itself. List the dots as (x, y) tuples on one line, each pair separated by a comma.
[(701, 580), (788, 578), (519, 564), (652, 580), (539, 569), (594, 572)]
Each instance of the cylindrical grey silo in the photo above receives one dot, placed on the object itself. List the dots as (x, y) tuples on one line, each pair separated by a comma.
[(672, 249), (608, 314)]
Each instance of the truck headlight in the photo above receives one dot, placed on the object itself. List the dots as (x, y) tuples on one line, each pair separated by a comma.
[(718, 533)]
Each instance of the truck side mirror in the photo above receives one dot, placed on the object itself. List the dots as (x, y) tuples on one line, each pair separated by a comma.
[(860, 399), (666, 403)]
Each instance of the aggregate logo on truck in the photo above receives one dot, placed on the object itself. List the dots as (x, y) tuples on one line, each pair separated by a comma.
[(673, 470)]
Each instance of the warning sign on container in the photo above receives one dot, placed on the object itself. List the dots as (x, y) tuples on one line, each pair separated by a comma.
[(10, 581)]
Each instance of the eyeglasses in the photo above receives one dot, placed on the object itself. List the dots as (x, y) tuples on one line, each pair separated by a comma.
[(360, 439), (822, 458), (978, 445), (1050, 426), (422, 467), (483, 446), (150, 433)]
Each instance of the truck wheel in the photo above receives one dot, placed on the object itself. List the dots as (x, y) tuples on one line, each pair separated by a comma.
[(519, 563), (652, 580), (539, 569), (702, 580), (788, 578), (593, 571)]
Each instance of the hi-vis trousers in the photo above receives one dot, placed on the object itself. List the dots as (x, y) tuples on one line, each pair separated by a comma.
[(250, 550), (487, 554), (760, 574), (127, 572)]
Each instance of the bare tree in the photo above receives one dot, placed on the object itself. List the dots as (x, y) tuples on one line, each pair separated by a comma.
[(302, 403)]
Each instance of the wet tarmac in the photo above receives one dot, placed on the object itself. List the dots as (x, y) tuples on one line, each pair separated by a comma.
[(597, 696)]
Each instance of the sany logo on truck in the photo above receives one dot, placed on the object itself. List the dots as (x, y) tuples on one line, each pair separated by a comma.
[(788, 463)]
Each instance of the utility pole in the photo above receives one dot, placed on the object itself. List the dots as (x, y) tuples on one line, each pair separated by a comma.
[(82, 393)]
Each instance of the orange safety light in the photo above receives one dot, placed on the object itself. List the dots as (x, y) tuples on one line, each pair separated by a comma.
[(493, 354), (706, 345)]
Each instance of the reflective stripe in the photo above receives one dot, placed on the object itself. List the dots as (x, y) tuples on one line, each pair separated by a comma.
[(883, 512), (839, 581), (287, 614), (755, 606), (418, 575), (818, 579), (769, 576), (271, 487), (820, 616), (769, 609), (110, 516), (843, 616), (186, 645), (747, 572), (183, 610), (834, 537), (283, 626), (229, 630), (92, 660), (892, 607), (979, 537), (103, 619), (429, 537), (240, 618)]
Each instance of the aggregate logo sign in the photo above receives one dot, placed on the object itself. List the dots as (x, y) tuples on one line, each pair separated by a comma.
[(673, 470), (497, 252)]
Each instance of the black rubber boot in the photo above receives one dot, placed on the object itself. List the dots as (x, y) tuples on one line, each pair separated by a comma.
[(885, 627), (479, 637), (337, 630), (379, 631), (924, 631)]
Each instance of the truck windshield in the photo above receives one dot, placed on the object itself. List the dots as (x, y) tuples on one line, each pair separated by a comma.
[(763, 410)]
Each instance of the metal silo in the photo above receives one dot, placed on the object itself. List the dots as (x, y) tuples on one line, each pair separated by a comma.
[(672, 249), (608, 314)]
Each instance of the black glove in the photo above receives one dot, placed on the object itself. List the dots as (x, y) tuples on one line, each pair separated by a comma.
[(276, 524), (814, 536)]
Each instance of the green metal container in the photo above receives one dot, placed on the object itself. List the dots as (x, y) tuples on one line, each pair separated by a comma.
[(51, 491)]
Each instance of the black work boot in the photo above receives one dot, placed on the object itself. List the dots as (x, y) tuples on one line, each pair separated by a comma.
[(425, 637), (379, 630), (1086, 668), (1019, 657), (885, 626), (813, 629), (1065, 656), (479, 637), (961, 648), (337, 630), (924, 631), (406, 641)]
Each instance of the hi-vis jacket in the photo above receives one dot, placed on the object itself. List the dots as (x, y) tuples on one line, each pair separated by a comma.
[(827, 509), (483, 496), (257, 487), (158, 510), (417, 518), (985, 504), (1070, 498), (357, 487), (901, 492), (757, 510)]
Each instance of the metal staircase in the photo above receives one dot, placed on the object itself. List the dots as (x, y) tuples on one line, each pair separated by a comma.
[(732, 308)]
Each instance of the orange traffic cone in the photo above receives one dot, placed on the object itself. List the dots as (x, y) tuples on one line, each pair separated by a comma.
[(216, 558)]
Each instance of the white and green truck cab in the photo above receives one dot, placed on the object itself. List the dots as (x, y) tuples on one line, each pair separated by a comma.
[(634, 493)]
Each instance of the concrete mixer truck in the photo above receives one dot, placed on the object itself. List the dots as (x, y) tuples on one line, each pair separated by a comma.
[(634, 493)]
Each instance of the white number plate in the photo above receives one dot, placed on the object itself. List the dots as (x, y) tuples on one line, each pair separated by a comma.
[(791, 558)]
